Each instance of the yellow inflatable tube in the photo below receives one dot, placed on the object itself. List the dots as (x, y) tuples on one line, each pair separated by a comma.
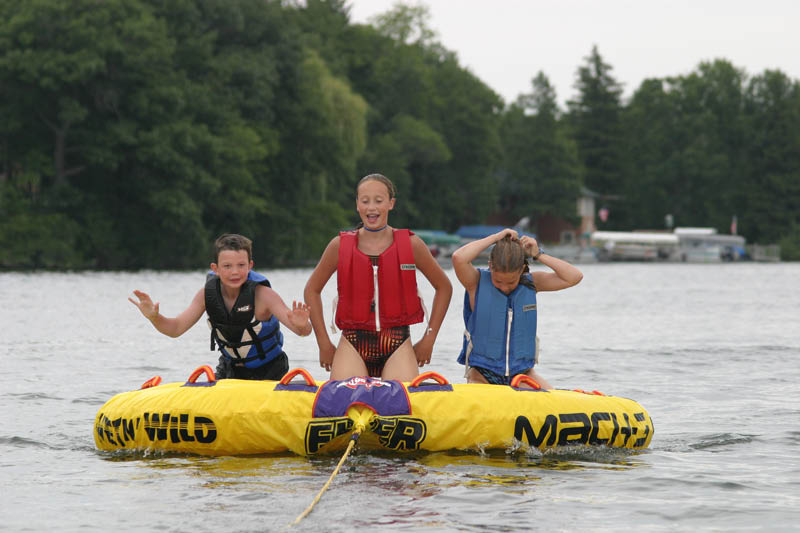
[(238, 417)]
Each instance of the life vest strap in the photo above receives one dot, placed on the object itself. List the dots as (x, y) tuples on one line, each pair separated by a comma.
[(254, 340), (334, 303), (468, 351)]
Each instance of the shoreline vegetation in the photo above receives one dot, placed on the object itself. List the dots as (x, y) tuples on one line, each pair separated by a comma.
[(135, 132)]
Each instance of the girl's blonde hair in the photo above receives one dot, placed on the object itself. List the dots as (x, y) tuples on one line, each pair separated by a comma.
[(381, 178), (509, 256)]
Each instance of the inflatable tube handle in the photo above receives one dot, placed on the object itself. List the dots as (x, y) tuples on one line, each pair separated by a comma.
[(155, 381), (199, 370), (595, 392), (438, 378), (293, 373), (522, 378)]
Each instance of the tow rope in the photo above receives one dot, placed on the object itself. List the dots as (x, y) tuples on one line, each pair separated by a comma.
[(350, 445)]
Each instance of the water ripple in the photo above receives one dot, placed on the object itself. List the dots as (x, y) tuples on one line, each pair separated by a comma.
[(28, 396), (148, 368), (22, 442), (718, 375), (97, 399), (718, 440)]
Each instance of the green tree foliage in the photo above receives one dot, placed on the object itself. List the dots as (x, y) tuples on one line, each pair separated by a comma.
[(406, 24), (170, 120), (652, 154), (323, 133), (69, 86), (433, 126), (596, 125), (710, 145), (541, 172), (467, 112), (709, 104), (133, 132), (683, 136), (768, 195)]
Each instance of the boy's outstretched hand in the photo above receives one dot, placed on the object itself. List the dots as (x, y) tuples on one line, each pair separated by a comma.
[(145, 305), (299, 317)]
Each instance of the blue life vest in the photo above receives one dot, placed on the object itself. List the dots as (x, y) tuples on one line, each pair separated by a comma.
[(501, 331), (237, 333)]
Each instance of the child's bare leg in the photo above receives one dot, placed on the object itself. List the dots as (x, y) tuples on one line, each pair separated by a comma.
[(347, 363), (539, 379), (402, 364), (473, 376)]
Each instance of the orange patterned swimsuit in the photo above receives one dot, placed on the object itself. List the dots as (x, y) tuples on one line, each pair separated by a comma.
[(376, 347)]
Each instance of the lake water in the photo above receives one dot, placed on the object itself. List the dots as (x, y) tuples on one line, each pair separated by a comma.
[(711, 351)]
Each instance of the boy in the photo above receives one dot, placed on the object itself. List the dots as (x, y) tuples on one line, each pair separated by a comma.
[(243, 312)]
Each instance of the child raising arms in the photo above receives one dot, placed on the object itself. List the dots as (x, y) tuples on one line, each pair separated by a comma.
[(243, 312), (500, 305)]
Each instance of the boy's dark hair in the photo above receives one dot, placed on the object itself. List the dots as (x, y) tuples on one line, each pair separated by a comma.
[(232, 241), (509, 256)]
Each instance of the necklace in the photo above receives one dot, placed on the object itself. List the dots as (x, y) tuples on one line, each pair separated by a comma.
[(375, 230)]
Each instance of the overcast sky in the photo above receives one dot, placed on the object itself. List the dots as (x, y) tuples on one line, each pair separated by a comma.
[(506, 42)]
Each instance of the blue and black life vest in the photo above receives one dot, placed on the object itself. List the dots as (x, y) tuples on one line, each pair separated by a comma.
[(501, 331), (237, 333)]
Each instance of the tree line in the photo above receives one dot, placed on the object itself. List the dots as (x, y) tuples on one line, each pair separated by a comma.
[(133, 132)]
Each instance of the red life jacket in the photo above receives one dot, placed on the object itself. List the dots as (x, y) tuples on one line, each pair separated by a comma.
[(398, 301)]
